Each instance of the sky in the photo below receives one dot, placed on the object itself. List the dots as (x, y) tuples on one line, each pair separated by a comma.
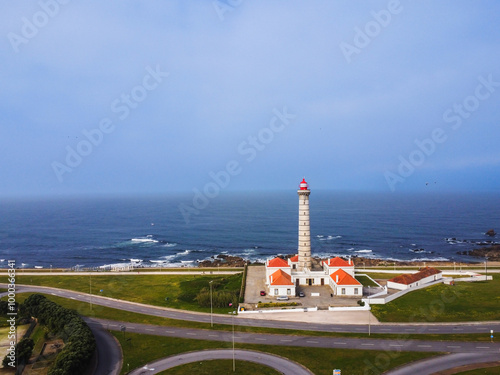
[(153, 97)]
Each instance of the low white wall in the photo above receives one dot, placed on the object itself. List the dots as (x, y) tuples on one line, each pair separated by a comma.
[(474, 278), (382, 301), (303, 309), (350, 308)]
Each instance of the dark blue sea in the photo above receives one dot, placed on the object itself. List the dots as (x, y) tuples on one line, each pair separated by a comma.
[(90, 232)]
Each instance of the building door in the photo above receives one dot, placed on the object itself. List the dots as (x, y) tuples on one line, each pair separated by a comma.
[(322, 281), (297, 283), (309, 281)]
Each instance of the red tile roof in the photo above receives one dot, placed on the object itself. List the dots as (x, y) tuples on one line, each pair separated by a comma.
[(294, 258), (281, 278), (344, 278), (408, 279), (338, 262), (278, 262)]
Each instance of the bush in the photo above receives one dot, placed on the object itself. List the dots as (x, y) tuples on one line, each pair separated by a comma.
[(79, 339), (220, 298), (23, 349)]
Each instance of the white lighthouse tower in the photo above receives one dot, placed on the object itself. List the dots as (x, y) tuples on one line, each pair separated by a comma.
[(304, 250)]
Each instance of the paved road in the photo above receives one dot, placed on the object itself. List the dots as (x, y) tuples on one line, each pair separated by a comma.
[(307, 341), (446, 362), (393, 328), (280, 364), (477, 351), (109, 360)]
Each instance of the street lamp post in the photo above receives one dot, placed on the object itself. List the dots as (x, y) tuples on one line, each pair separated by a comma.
[(369, 314), (90, 289), (234, 363), (211, 306)]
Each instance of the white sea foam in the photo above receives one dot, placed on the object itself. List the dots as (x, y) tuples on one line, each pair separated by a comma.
[(169, 244), (144, 240), (185, 252), (364, 251)]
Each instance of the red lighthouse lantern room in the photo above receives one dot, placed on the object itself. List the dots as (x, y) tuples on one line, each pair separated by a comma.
[(303, 185)]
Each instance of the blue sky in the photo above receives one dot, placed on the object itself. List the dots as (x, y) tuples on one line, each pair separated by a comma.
[(373, 95)]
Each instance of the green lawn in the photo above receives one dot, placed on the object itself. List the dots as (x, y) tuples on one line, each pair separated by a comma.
[(482, 371), (180, 290), (139, 350), (366, 281), (218, 367), (477, 301)]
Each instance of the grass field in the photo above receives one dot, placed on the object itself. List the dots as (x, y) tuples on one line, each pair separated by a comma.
[(224, 366), (139, 350), (366, 281), (477, 301), (483, 371), (180, 290)]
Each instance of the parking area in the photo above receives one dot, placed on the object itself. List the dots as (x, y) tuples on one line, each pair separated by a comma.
[(321, 296), (256, 276)]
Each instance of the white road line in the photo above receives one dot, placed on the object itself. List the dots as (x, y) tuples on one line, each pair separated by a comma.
[(258, 338), (170, 331), (191, 333), (312, 342), (283, 340), (452, 346), (368, 344), (395, 345), (482, 347), (71, 297), (213, 335), (424, 346), (340, 343), (150, 329)]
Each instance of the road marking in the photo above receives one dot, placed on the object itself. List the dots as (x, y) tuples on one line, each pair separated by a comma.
[(170, 331), (71, 297), (258, 338), (340, 343), (312, 342), (368, 344), (150, 329), (482, 347), (213, 335), (191, 333), (395, 345), (453, 346), (433, 329), (285, 340), (424, 346)]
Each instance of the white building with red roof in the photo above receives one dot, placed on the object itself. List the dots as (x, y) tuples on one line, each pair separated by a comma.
[(283, 277)]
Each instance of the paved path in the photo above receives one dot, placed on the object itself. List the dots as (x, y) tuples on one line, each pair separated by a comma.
[(109, 352), (302, 341), (267, 319), (446, 362), (280, 364)]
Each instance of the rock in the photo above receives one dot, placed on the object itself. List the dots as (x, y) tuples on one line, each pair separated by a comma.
[(491, 233)]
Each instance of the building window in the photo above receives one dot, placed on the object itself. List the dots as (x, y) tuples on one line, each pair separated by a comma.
[(288, 291), (343, 291), (355, 290), (275, 292), (293, 266)]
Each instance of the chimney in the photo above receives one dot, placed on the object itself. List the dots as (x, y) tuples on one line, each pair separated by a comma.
[(337, 279), (350, 260), (271, 277)]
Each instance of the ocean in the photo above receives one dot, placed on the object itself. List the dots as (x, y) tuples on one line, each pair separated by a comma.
[(151, 231)]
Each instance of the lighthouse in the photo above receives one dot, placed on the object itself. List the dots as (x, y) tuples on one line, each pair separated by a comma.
[(304, 250)]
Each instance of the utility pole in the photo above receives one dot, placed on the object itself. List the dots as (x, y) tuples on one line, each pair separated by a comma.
[(90, 289), (211, 306)]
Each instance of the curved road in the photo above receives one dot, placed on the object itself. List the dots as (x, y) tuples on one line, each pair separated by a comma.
[(445, 362), (283, 365), (476, 350), (109, 353), (393, 328)]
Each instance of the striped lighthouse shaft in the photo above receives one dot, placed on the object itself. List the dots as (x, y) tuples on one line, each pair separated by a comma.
[(304, 249)]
